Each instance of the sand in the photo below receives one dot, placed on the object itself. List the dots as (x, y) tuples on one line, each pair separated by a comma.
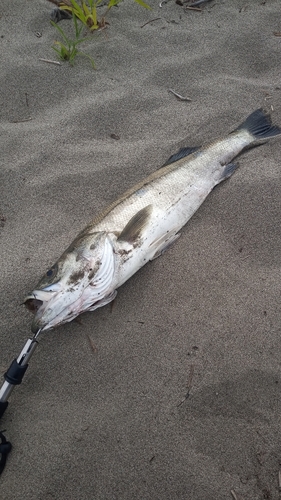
[(108, 419)]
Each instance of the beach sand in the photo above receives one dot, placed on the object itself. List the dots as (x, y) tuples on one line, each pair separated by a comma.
[(101, 413)]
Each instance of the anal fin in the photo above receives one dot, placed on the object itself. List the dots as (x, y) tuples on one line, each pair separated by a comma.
[(228, 170)]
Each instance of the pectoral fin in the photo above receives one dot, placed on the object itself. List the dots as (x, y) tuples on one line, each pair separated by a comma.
[(136, 225)]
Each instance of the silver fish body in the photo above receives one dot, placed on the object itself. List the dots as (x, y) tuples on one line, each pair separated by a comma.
[(137, 227)]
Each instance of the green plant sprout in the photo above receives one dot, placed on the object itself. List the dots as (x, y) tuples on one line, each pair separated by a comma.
[(68, 50), (87, 11)]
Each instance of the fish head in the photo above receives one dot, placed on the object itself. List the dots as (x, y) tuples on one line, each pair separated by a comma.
[(77, 282)]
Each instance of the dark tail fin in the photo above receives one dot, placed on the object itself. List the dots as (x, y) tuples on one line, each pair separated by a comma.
[(259, 125)]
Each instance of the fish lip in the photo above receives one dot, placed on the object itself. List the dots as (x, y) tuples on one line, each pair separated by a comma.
[(43, 295), (37, 302), (35, 328), (38, 323)]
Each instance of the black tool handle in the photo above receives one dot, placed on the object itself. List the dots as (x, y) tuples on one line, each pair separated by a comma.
[(5, 448), (3, 407), (15, 373)]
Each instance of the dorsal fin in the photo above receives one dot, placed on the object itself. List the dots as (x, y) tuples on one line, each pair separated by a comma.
[(180, 154), (136, 225)]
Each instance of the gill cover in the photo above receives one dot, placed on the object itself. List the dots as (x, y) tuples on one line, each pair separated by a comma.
[(81, 278)]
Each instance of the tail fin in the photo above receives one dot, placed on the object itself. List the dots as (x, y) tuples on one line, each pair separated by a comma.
[(259, 125)]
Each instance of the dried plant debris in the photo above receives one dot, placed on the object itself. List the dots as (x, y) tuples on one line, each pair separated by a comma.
[(192, 5), (178, 96), (188, 385), (2, 220), (57, 15), (198, 2), (92, 345), (151, 21), (49, 61), (163, 2)]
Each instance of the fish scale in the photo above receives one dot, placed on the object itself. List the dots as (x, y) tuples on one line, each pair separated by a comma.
[(202, 168)]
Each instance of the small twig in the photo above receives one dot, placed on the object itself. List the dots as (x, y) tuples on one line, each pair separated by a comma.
[(279, 479), (151, 21), (21, 121), (49, 61), (178, 96), (162, 2), (59, 3), (198, 2), (190, 378), (277, 33), (112, 305), (92, 345), (188, 385), (115, 136), (245, 257), (188, 7), (267, 94), (234, 494), (26, 99)]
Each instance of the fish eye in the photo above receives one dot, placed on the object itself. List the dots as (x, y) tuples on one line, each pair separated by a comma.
[(52, 271)]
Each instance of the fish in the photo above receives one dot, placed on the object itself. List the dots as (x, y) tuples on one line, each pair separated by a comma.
[(138, 227)]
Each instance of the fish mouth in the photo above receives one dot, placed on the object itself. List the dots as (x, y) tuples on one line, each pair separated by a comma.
[(32, 304), (37, 303)]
